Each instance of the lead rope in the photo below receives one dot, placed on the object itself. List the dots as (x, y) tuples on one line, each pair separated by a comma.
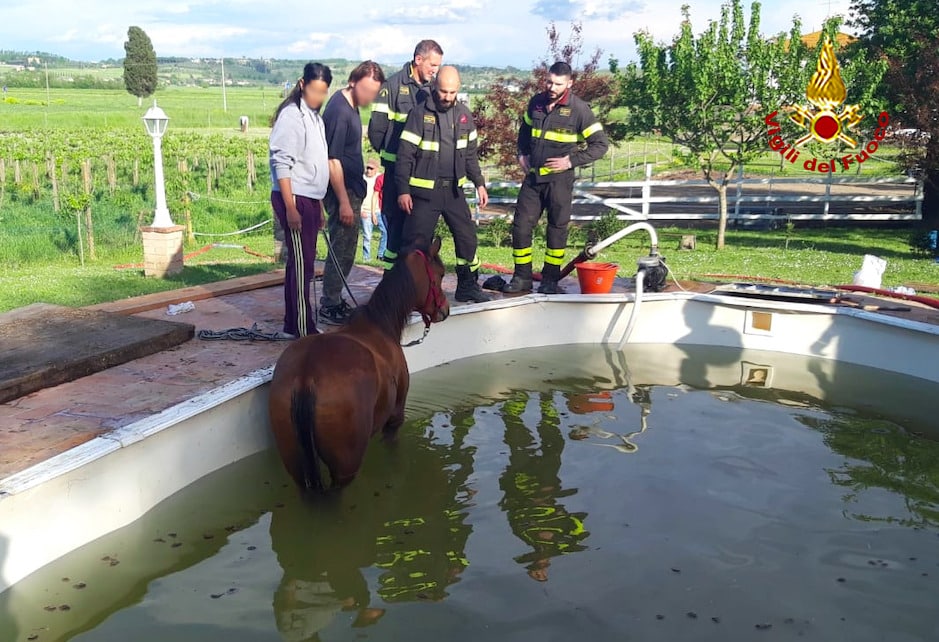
[(432, 293)]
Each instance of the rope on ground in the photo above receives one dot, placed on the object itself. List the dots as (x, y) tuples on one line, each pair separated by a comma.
[(195, 197), (243, 334), (236, 233)]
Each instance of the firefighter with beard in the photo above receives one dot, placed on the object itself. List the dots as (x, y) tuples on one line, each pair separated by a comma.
[(436, 157), (558, 133)]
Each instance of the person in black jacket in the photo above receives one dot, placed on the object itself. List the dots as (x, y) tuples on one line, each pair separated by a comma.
[(558, 133), (401, 92), (436, 156)]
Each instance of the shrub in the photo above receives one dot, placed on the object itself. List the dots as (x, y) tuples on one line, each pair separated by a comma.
[(499, 232)]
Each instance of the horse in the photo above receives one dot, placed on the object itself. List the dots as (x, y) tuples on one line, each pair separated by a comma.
[(331, 393)]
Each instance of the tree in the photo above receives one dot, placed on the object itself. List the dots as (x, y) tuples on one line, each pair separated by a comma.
[(709, 93), (904, 32), (140, 64), (498, 113)]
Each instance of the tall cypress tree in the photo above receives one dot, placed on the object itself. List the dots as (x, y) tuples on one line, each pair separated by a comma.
[(140, 65)]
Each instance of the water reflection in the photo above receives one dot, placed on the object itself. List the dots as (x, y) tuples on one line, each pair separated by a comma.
[(404, 517), (602, 403), (881, 455), (532, 487)]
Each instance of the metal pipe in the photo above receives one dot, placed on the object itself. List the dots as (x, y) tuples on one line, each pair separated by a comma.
[(642, 225), (591, 253)]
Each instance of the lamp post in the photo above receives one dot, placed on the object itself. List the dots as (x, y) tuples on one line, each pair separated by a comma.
[(155, 121), (162, 241)]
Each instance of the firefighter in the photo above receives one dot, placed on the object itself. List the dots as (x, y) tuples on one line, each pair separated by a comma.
[(400, 93), (436, 156), (550, 145)]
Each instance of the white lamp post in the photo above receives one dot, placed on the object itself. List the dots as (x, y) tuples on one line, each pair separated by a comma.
[(155, 121)]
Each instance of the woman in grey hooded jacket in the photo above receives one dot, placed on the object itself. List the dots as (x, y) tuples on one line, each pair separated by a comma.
[(299, 176)]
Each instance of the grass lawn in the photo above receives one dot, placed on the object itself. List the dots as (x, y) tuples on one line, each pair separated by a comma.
[(814, 257)]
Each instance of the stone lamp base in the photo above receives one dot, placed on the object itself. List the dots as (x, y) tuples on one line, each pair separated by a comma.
[(162, 250)]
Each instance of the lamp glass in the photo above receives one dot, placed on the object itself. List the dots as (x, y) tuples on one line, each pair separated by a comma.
[(155, 120)]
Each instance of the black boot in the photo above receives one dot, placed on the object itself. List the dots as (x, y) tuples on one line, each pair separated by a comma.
[(521, 280), (550, 276), (467, 287)]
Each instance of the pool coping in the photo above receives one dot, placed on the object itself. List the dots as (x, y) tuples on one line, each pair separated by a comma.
[(565, 324)]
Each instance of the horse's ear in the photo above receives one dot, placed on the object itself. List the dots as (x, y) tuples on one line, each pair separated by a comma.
[(435, 246)]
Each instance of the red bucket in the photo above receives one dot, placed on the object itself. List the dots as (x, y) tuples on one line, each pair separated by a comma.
[(596, 278)]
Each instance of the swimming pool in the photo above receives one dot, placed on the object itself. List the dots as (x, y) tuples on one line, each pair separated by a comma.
[(662, 492)]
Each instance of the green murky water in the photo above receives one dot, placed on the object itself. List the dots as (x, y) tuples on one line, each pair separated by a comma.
[(662, 494)]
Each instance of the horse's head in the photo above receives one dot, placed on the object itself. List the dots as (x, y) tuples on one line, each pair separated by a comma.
[(427, 272)]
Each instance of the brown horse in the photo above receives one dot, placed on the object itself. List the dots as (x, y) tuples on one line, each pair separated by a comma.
[(331, 393)]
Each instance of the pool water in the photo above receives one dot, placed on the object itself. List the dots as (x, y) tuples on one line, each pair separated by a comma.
[(547, 494)]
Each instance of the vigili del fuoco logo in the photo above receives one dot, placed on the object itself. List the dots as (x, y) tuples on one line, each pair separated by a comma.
[(828, 120)]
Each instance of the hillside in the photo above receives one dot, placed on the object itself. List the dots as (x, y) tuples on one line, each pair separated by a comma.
[(25, 69)]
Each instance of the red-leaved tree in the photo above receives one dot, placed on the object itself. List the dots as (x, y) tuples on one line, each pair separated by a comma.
[(498, 113)]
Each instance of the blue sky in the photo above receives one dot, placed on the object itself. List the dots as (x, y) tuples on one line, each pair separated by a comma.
[(476, 32)]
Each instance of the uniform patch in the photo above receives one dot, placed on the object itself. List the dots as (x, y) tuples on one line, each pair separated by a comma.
[(429, 118), (463, 118), (405, 91), (383, 92), (564, 111)]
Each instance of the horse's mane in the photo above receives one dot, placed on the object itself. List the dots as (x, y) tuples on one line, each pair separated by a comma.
[(393, 299)]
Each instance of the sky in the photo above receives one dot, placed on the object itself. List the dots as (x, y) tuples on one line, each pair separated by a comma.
[(471, 32)]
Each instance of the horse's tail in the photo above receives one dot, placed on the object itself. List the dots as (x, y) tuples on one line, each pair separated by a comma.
[(303, 414)]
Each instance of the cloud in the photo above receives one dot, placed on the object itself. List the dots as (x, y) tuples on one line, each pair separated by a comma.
[(440, 13), (380, 43), (69, 36), (194, 39), (594, 10), (586, 9), (313, 44), (555, 9)]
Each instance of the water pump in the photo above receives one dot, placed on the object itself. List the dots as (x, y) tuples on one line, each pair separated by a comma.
[(656, 272)]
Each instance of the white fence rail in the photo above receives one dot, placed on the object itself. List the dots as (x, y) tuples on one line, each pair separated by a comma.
[(779, 197)]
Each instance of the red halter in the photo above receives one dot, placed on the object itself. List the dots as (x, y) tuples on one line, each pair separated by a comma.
[(435, 295)]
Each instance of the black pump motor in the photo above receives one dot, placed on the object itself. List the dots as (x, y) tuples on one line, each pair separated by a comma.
[(656, 272)]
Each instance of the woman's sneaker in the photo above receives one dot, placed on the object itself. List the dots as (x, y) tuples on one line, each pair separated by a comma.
[(338, 314)]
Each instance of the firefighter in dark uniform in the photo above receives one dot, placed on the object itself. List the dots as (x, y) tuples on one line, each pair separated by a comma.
[(436, 156), (400, 93), (551, 141)]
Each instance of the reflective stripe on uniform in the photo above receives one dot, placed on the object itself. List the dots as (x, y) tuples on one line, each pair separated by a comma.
[(473, 135), (388, 156), (558, 137), (473, 265), (522, 255), (411, 137), (554, 256), (593, 129), (527, 119), (381, 108), (427, 183), (462, 143), (428, 145), (421, 182), (398, 117)]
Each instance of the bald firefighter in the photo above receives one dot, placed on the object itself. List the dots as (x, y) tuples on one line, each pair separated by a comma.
[(558, 133), (436, 157)]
